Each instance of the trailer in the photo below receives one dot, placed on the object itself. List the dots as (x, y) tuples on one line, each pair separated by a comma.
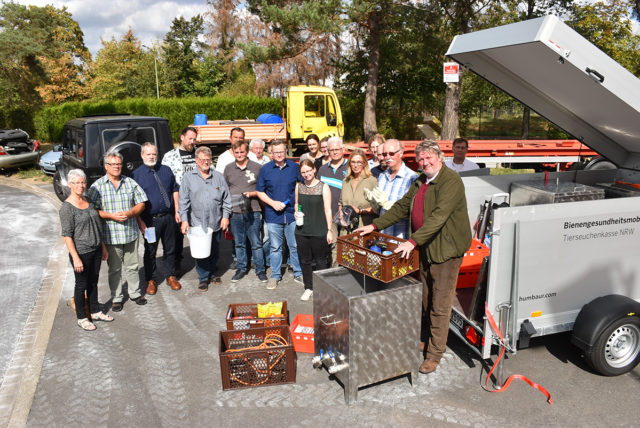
[(563, 254)]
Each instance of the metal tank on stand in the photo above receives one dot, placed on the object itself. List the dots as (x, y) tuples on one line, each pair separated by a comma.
[(366, 331)]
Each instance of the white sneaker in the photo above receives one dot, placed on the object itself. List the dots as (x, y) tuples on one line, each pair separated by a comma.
[(306, 295), (272, 284)]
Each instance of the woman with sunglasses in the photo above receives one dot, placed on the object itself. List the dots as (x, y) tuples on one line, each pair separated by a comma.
[(357, 180)]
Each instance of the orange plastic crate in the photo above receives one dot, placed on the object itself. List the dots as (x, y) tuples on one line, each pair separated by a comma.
[(471, 263), (302, 333)]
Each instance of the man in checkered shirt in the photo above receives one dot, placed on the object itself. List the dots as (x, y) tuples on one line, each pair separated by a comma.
[(395, 182), (119, 200)]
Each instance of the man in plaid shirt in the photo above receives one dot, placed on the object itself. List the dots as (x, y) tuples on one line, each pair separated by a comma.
[(119, 200), (395, 181)]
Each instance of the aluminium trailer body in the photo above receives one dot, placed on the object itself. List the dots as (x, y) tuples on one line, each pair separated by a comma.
[(569, 266)]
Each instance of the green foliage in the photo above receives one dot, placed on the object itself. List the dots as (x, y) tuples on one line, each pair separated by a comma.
[(182, 53), (410, 81), (123, 70), (37, 43), (297, 25), (608, 26), (180, 111)]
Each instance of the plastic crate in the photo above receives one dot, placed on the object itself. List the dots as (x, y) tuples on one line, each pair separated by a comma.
[(353, 253), (302, 333), (471, 263), (243, 368), (241, 316)]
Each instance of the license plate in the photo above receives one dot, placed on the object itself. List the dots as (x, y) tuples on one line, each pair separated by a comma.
[(457, 319)]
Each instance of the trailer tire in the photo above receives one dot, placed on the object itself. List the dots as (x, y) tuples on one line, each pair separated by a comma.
[(617, 349)]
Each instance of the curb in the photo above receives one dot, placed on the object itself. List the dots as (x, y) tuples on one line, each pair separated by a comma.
[(23, 372)]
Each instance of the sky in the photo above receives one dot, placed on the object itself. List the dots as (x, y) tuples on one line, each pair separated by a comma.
[(104, 19)]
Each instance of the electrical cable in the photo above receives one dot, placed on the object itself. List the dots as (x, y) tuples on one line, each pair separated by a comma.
[(270, 340)]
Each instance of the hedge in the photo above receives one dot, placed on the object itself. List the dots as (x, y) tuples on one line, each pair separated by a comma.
[(180, 111)]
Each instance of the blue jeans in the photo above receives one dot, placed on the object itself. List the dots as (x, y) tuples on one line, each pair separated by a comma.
[(206, 268), (277, 234), (245, 226)]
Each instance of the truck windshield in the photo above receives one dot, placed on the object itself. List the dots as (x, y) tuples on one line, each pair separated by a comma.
[(141, 135)]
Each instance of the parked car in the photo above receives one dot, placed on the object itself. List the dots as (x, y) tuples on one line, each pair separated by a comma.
[(85, 141), (48, 160), (17, 149)]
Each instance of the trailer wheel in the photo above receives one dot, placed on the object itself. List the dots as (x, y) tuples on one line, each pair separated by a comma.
[(617, 349)]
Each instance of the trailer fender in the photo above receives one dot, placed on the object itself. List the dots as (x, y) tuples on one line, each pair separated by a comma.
[(599, 314)]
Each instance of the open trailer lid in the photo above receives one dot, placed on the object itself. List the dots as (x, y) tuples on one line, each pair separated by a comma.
[(555, 71)]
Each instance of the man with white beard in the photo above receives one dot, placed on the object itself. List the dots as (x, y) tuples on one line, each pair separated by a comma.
[(159, 215)]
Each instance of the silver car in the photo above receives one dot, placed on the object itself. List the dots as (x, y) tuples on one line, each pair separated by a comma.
[(48, 160)]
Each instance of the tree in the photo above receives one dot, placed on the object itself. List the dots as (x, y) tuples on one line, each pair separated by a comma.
[(462, 16), (408, 80), (43, 60), (608, 26), (182, 52), (123, 70), (293, 42)]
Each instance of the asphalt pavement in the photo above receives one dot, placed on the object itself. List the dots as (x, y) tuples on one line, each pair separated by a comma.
[(158, 365)]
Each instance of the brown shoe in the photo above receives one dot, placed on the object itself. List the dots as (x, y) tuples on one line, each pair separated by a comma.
[(428, 366), (172, 281), (151, 287), (422, 346)]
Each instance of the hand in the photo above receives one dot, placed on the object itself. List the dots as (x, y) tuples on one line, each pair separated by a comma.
[(105, 253), (178, 218), (278, 206), (77, 264), (224, 224), (365, 230), (405, 248), (329, 237), (120, 216), (184, 227)]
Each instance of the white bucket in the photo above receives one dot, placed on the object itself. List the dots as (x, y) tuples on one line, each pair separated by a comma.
[(200, 242)]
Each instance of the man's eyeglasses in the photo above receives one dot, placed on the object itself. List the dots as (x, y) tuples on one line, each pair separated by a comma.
[(279, 153), (389, 154), (208, 160), (335, 150), (113, 164)]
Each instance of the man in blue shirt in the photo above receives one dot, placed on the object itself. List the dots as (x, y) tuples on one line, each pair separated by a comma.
[(276, 188), (159, 215)]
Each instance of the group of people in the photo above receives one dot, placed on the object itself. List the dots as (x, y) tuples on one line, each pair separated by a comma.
[(280, 213)]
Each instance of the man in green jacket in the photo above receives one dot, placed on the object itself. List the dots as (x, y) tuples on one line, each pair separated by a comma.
[(436, 207)]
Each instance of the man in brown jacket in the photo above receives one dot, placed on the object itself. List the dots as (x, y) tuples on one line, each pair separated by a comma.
[(439, 226)]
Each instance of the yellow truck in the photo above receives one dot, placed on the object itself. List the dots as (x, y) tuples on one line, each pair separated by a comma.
[(310, 110)]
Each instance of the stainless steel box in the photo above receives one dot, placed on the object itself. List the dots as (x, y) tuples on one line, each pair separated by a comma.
[(366, 331), (553, 192)]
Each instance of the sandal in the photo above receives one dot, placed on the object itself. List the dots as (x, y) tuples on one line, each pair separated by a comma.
[(101, 316), (85, 324)]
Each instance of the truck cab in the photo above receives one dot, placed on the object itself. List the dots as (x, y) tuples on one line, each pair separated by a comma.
[(313, 110)]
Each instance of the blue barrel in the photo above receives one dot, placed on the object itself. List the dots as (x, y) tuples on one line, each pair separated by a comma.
[(269, 118), (200, 119)]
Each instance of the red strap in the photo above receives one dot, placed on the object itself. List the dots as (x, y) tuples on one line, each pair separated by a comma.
[(495, 328)]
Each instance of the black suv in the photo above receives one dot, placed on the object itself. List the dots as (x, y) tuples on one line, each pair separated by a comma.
[(85, 141)]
